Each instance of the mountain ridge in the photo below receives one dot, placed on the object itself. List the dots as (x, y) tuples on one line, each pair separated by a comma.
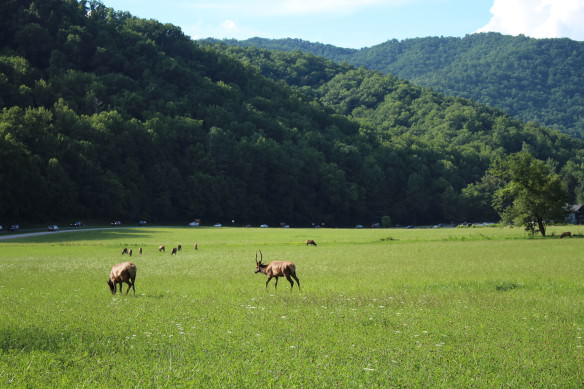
[(531, 79)]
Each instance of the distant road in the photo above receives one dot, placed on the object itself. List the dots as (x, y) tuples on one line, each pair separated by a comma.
[(29, 234)]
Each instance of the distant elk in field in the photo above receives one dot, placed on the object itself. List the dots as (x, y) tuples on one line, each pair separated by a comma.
[(196, 246), (125, 251), (130, 252), (140, 251), (179, 247), (277, 269), (566, 234), (310, 242), (174, 251), (120, 273), (161, 248)]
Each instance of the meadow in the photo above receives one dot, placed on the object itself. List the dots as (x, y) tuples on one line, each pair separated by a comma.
[(388, 308)]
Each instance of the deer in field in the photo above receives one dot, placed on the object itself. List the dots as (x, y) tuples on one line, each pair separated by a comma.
[(310, 242), (566, 234), (120, 273), (196, 246), (125, 251), (174, 251), (130, 252), (179, 247), (277, 269), (161, 248), (140, 250)]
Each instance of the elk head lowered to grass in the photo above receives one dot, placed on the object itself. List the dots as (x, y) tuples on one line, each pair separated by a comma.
[(277, 269), (120, 273), (566, 234), (310, 242)]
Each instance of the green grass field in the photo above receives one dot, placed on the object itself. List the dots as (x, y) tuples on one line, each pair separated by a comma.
[(388, 308)]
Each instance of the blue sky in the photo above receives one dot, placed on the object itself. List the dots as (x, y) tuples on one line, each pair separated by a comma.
[(361, 23)]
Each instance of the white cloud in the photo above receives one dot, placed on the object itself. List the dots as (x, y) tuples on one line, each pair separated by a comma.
[(225, 30), (229, 25), (538, 18)]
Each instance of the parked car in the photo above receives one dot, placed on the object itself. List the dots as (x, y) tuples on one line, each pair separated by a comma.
[(142, 222), (1, 227), (218, 225), (14, 227), (116, 223), (194, 224), (53, 227), (76, 224), (359, 226), (264, 226)]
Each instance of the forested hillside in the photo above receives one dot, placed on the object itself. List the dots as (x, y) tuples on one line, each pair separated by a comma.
[(532, 79), (104, 115)]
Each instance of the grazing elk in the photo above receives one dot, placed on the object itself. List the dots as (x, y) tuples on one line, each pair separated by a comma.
[(140, 251), (566, 234), (277, 269), (196, 245), (125, 251), (130, 252), (120, 273), (174, 251), (310, 242), (179, 247), (161, 248)]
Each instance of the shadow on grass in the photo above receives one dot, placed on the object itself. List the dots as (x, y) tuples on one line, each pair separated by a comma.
[(34, 339)]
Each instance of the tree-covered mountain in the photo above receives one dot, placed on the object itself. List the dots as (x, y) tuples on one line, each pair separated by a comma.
[(105, 115), (463, 135), (532, 79)]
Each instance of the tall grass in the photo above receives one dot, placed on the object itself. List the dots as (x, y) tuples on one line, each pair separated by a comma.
[(378, 308)]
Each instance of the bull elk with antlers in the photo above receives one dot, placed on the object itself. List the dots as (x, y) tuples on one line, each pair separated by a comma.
[(277, 269)]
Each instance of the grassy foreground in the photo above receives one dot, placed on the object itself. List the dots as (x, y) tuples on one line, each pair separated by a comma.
[(452, 308)]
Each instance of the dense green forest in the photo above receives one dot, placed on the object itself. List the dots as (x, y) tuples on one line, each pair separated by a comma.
[(532, 79), (105, 115)]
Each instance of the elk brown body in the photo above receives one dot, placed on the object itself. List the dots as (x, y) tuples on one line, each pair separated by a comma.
[(161, 248), (277, 269), (120, 273), (310, 242), (566, 234)]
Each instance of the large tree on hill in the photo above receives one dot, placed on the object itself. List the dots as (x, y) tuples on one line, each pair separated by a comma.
[(533, 195)]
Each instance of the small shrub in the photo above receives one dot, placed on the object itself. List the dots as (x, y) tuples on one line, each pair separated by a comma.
[(506, 286)]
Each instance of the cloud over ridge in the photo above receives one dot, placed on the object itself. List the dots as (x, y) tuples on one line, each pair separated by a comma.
[(538, 18)]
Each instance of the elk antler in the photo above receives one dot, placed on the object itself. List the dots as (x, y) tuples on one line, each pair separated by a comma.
[(261, 256)]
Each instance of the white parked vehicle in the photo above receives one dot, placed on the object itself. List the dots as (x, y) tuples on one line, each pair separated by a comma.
[(264, 226), (194, 224), (53, 227)]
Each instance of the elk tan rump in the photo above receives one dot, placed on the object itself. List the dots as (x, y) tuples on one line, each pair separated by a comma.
[(122, 272)]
